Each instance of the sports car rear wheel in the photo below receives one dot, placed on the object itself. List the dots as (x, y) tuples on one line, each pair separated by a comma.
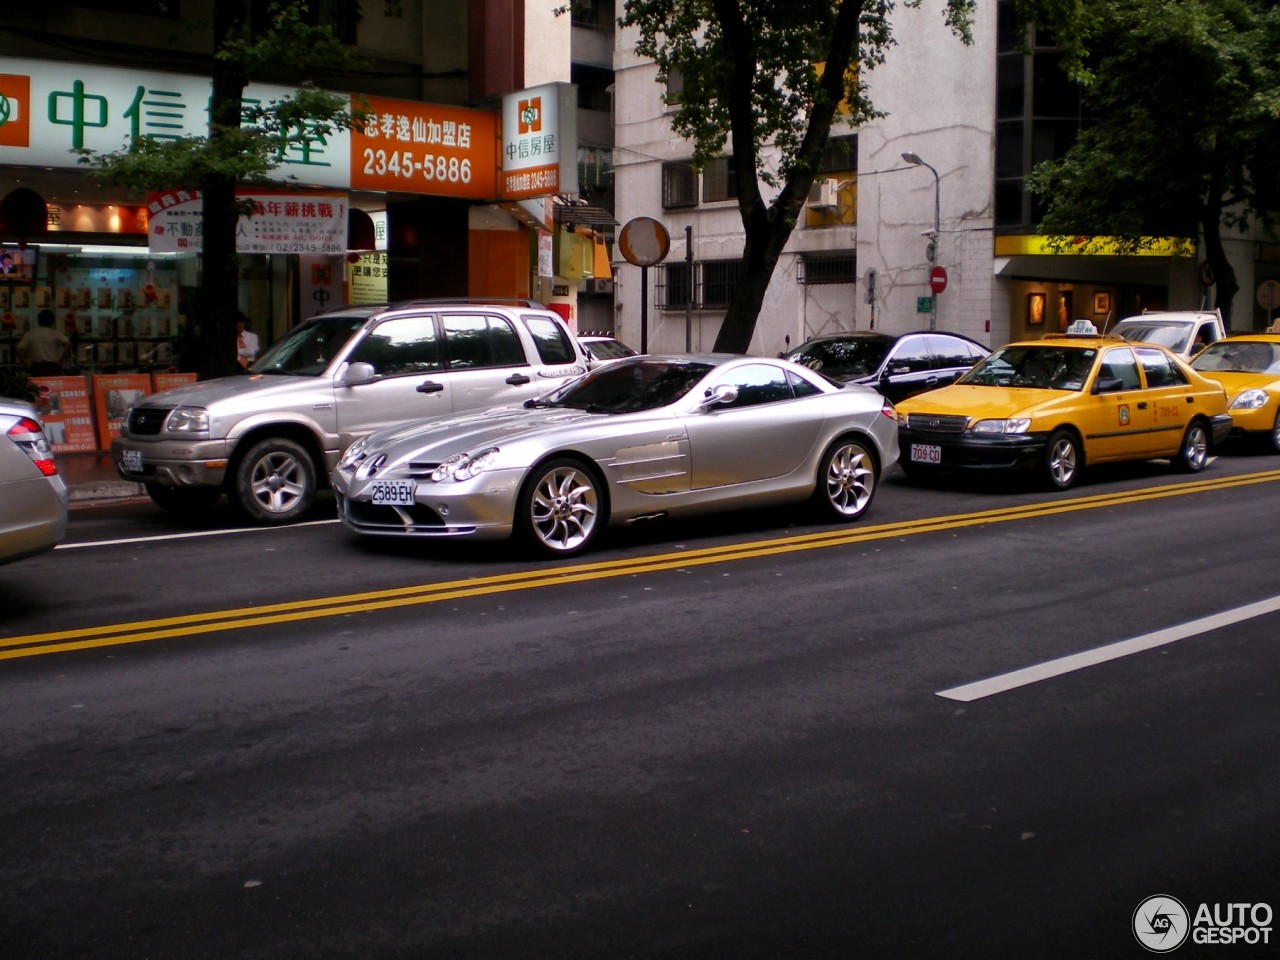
[(846, 480), (560, 508)]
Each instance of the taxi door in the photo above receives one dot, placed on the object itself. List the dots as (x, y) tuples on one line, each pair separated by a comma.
[(1170, 400), (1118, 417)]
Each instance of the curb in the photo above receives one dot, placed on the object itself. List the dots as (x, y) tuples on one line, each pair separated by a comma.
[(108, 490)]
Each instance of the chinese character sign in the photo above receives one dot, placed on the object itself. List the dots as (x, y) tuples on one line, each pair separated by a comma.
[(48, 109), (283, 222), (539, 142), (425, 148)]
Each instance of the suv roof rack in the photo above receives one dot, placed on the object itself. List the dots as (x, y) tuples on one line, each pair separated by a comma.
[(481, 301)]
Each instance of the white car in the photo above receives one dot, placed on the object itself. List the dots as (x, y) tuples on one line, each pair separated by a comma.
[(33, 497), (605, 349)]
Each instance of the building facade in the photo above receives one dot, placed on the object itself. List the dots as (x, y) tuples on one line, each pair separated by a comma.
[(458, 200), (964, 125)]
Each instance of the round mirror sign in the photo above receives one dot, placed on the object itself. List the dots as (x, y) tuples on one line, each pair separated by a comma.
[(644, 241)]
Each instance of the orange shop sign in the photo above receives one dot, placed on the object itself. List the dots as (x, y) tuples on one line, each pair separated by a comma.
[(413, 147)]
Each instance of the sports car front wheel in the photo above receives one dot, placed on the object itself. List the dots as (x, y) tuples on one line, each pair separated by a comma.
[(846, 481), (560, 508)]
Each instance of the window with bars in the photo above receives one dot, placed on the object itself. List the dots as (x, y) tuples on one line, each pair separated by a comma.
[(712, 284), (679, 184), (820, 268), (841, 155)]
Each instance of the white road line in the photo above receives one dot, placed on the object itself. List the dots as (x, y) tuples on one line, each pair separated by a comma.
[(187, 536), (1113, 651)]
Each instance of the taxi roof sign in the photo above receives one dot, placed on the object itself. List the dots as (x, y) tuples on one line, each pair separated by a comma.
[(1083, 326)]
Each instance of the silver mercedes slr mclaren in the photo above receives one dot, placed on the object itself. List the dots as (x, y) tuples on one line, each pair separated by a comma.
[(641, 438)]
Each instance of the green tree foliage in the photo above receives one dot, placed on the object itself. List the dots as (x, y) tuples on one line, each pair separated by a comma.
[(1182, 99), (245, 144), (763, 80)]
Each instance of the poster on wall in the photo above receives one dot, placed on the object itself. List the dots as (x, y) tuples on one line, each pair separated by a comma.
[(112, 395), (281, 222), (64, 407)]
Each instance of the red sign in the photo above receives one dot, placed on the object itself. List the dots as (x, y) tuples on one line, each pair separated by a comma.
[(938, 279), (67, 413)]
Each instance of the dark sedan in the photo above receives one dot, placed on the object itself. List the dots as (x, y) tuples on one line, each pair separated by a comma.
[(899, 365)]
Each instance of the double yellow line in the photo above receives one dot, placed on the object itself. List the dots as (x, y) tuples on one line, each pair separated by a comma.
[(298, 610)]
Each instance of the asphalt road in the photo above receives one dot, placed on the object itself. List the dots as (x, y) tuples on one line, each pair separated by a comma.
[(745, 738)]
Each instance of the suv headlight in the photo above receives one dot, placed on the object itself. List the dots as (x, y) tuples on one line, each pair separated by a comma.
[(188, 420), (464, 466), (1012, 425), (1250, 400)]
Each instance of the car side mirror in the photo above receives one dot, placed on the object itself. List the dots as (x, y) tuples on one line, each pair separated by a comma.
[(1108, 385), (358, 373), (721, 394)]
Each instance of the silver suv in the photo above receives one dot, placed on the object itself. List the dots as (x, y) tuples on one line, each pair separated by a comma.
[(269, 438)]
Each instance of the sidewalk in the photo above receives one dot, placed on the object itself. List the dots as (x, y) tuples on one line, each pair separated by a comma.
[(91, 478)]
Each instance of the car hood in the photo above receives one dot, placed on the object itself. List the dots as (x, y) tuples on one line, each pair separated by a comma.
[(979, 402), (1235, 383), (210, 392), (432, 439)]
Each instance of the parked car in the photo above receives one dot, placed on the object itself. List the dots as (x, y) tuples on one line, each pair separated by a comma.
[(33, 497), (638, 439), (1184, 332), (1062, 402), (603, 349), (269, 439), (1248, 366), (898, 365)]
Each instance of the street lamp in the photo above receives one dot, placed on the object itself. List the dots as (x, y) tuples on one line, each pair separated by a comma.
[(915, 160)]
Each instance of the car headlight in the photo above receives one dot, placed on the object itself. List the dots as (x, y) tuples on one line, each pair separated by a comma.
[(464, 466), (188, 420), (1250, 400), (353, 454), (1012, 425)]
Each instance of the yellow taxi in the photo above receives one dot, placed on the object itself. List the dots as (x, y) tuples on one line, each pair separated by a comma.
[(1061, 402), (1248, 366)]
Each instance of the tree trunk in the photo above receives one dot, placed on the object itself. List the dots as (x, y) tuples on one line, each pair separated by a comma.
[(213, 317), (1225, 284)]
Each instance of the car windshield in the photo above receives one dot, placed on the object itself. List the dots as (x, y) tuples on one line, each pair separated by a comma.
[(608, 349), (629, 385), (1174, 336), (305, 351), (1055, 367), (846, 357), (1239, 356)]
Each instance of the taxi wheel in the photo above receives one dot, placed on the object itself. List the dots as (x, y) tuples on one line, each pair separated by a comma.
[(1194, 452), (1062, 459), (1274, 439), (275, 482), (561, 508)]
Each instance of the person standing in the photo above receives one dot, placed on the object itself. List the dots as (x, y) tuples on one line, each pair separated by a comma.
[(44, 347), (246, 342)]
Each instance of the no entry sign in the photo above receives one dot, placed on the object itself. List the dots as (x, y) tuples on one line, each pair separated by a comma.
[(938, 279)]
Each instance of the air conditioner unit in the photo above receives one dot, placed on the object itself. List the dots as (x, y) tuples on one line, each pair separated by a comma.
[(822, 195), (597, 285)]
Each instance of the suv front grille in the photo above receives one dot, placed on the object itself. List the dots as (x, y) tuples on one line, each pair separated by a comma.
[(147, 421), (936, 423)]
